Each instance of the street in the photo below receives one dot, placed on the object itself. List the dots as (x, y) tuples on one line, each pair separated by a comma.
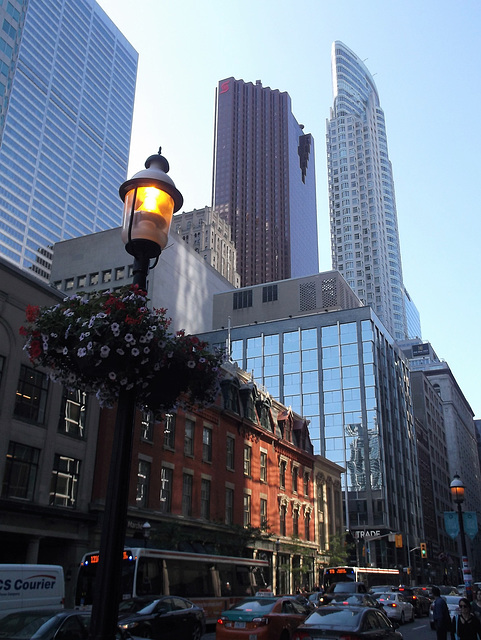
[(417, 630)]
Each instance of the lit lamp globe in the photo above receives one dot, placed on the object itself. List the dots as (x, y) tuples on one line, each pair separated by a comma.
[(457, 489), (150, 199)]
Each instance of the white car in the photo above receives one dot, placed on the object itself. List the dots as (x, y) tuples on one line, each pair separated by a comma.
[(453, 606), (396, 607)]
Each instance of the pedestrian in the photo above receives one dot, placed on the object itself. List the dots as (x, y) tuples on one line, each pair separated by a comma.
[(476, 605), (466, 625), (441, 617)]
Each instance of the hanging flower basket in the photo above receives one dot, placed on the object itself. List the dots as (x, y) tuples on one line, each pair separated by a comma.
[(111, 341)]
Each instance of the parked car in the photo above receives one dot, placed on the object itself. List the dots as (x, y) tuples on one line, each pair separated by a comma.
[(396, 606), (342, 587), (166, 618), (410, 595), (347, 622), (422, 601), (453, 606), (44, 624), (265, 618), (132, 605)]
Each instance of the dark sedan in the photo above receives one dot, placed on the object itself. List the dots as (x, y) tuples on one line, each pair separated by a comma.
[(363, 623), (166, 618), (356, 599), (45, 624)]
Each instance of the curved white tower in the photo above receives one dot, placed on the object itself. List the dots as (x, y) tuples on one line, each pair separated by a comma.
[(364, 231)]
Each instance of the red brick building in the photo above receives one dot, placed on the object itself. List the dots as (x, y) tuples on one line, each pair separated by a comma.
[(239, 478)]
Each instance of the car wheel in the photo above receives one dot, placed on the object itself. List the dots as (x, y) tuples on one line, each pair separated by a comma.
[(197, 632), (403, 617)]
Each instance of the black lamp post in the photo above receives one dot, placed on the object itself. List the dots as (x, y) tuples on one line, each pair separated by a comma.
[(457, 493), (150, 199), (278, 567), (146, 527)]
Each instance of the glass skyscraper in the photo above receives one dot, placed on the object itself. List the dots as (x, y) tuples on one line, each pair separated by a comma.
[(67, 85), (364, 230), (264, 182), (345, 374)]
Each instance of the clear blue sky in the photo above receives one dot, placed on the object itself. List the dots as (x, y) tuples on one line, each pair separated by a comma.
[(425, 56)]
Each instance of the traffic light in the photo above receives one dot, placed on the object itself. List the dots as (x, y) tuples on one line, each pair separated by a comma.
[(424, 551)]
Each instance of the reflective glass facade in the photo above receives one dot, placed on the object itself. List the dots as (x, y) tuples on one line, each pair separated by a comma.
[(344, 373), (67, 84), (264, 182), (364, 230)]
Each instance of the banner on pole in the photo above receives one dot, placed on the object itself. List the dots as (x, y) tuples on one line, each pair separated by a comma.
[(451, 524), (470, 521)]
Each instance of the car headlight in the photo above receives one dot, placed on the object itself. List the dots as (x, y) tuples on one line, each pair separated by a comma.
[(129, 625)]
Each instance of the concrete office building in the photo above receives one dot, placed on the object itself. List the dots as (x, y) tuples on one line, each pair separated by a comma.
[(343, 371), (67, 84), (364, 230), (264, 182), (459, 428), (183, 282), (210, 236)]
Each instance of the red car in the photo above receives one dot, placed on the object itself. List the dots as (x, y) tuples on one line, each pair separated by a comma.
[(264, 617)]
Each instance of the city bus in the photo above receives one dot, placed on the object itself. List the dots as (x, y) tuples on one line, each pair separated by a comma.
[(369, 575), (212, 582)]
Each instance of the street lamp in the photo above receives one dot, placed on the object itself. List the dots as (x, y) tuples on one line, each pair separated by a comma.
[(457, 493), (146, 527), (150, 199), (278, 568)]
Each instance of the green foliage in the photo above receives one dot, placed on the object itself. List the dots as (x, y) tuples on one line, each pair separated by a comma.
[(340, 550)]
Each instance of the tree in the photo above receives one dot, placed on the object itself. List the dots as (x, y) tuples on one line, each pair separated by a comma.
[(341, 550)]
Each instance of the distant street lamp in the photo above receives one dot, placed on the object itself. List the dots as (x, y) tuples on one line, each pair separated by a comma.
[(457, 493), (150, 199), (146, 527), (278, 567)]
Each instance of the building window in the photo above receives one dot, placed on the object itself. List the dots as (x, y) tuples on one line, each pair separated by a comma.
[(169, 431), (147, 426), (143, 481), (166, 477), (229, 506), (247, 510), (295, 477), (263, 509), (295, 523), (31, 395), (107, 276), (282, 474), (73, 413), (247, 460), (269, 293), (120, 273), (187, 495), (263, 466), (64, 482), (242, 299), (307, 526), (68, 284), (189, 437), (207, 444), (306, 483), (205, 499), (20, 471), (282, 520), (94, 279), (230, 448), (81, 281)]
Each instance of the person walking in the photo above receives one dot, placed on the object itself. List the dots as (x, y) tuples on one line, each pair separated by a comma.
[(476, 605), (441, 617), (466, 625)]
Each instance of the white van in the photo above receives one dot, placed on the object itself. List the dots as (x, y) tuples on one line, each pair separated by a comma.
[(31, 586)]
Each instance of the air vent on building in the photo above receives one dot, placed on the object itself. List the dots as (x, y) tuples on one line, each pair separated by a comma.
[(307, 296), (329, 293)]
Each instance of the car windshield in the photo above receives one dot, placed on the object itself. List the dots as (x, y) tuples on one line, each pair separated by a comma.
[(332, 618), (343, 587), (386, 596), (149, 608), (24, 623), (452, 599), (351, 598), (258, 605)]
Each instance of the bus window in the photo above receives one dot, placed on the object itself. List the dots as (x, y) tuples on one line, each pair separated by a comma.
[(149, 577), (189, 579)]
